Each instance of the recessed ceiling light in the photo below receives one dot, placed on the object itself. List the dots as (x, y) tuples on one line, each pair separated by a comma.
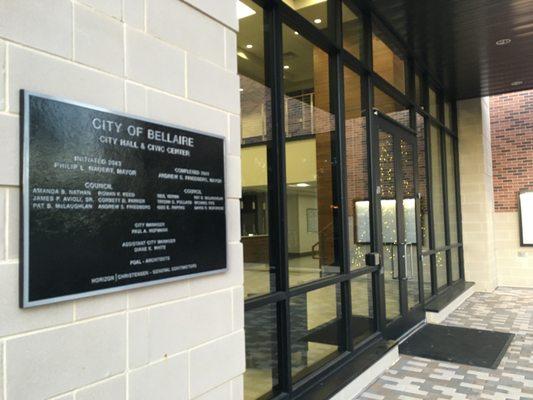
[(241, 54), (317, 21), (286, 67), (249, 46), (503, 42), (241, 90), (516, 83), (302, 185), (296, 33), (243, 10)]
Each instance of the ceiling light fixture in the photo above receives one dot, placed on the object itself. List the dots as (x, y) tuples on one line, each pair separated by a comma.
[(241, 54), (517, 83), (302, 185), (286, 67), (241, 90), (243, 10), (296, 33), (249, 46), (317, 21), (503, 42)]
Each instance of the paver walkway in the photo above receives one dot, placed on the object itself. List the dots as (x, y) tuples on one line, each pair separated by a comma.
[(505, 310)]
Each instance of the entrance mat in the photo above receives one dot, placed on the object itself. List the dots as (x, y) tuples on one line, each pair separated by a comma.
[(329, 333), (458, 345)]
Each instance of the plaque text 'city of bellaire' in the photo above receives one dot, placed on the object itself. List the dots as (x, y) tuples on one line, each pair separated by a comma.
[(113, 202)]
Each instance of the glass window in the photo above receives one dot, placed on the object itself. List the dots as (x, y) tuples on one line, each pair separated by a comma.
[(426, 269), (315, 323), (255, 139), (452, 200), (418, 90), (391, 107), (438, 205), (363, 321), (424, 202), (422, 180), (452, 204), (260, 377), (387, 178), (433, 103), (448, 115), (436, 186), (315, 11), (442, 274), (309, 161), (352, 31), (356, 170), (387, 60), (407, 152), (455, 264)]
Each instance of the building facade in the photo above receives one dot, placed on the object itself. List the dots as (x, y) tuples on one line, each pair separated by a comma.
[(363, 195), (183, 339), (348, 149)]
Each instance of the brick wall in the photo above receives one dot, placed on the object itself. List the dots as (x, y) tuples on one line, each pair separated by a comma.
[(511, 118), (168, 60)]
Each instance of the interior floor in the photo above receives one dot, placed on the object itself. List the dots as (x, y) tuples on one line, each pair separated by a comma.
[(314, 319)]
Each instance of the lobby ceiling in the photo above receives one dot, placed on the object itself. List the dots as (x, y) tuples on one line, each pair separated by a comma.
[(465, 43)]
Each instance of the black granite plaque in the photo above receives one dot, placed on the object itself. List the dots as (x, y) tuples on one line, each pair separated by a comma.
[(112, 202)]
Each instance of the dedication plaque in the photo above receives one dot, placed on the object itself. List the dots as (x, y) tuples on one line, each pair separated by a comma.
[(112, 202)]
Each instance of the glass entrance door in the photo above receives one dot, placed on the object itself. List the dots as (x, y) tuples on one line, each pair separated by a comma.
[(395, 185)]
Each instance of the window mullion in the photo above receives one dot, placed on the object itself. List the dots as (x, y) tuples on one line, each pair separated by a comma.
[(277, 197)]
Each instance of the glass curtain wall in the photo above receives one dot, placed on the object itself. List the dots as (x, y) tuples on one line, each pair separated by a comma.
[(307, 94), (443, 258)]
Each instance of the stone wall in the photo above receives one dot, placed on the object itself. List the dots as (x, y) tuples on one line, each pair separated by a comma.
[(169, 60), (477, 200)]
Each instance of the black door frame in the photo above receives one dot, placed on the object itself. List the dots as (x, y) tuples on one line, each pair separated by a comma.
[(408, 318)]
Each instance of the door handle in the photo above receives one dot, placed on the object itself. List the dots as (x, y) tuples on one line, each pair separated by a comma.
[(404, 245), (372, 259)]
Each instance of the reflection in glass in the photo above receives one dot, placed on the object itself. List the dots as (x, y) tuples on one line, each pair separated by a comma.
[(315, 323), (448, 115), (407, 153), (426, 268), (422, 180), (309, 129), (418, 90), (255, 137), (387, 60), (388, 225), (356, 170), (391, 107), (436, 186), (352, 31), (452, 205), (363, 322), (450, 178), (455, 264), (315, 11), (261, 352), (433, 105), (442, 276)]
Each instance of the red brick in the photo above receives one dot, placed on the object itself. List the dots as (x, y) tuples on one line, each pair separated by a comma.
[(512, 147)]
